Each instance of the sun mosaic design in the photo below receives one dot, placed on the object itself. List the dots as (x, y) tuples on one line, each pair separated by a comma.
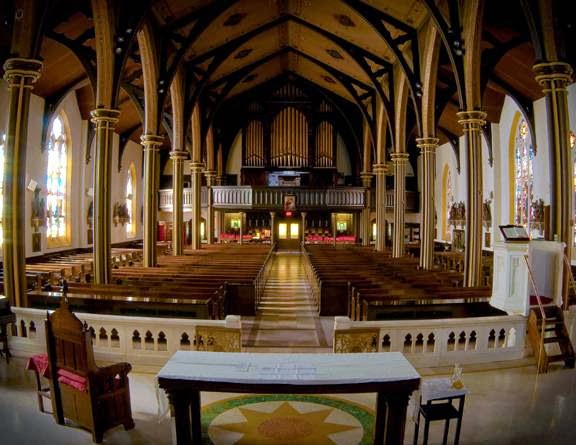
[(286, 418)]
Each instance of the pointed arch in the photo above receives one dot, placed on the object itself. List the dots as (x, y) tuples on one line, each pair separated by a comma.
[(430, 60), (521, 171)]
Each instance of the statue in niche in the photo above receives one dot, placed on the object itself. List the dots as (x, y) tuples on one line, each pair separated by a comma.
[(38, 210)]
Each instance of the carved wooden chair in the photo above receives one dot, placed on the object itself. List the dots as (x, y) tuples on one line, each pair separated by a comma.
[(356, 340), (93, 397)]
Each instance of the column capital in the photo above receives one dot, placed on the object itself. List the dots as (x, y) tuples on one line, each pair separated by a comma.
[(151, 141), (210, 173), (366, 179), (17, 68), (101, 115), (398, 157), (558, 72), (471, 119), (427, 145), (380, 168), (196, 167), (178, 154)]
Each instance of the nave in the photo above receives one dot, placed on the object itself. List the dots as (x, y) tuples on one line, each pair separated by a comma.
[(500, 408)]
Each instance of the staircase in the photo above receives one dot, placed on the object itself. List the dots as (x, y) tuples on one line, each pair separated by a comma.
[(556, 345), (287, 319)]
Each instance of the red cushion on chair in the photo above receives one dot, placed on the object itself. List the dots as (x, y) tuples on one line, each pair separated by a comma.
[(74, 380), (39, 363)]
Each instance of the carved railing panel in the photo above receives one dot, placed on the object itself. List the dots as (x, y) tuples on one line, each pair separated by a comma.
[(446, 341)]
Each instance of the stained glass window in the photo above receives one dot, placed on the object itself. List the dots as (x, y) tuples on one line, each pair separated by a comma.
[(57, 183), (523, 175), (131, 201), (2, 145)]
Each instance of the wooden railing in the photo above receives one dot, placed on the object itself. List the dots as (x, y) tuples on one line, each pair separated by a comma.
[(272, 198)]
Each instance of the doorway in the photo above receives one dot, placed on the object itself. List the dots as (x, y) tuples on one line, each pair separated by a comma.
[(289, 235)]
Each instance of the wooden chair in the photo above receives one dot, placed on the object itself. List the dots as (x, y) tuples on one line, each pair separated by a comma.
[(95, 398)]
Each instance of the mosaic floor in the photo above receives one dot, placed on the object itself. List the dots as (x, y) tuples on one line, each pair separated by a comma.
[(294, 419)]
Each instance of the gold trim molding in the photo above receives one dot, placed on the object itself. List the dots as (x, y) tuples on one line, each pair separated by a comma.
[(18, 68)]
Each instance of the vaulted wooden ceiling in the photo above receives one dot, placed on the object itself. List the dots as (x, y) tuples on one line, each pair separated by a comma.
[(323, 41)]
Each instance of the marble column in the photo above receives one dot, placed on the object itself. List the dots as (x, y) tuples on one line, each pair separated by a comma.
[(151, 144), (178, 157), (272, 227), (104, 121), (554, 78), (20, 74), (427, 147), (380, 172), (242, 217), (334, 229), (210, 181), (472, 122), (399, 161), (196, 180), (365, 229)]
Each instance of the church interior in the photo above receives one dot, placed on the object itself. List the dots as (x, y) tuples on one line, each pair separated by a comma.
[(287, 221)]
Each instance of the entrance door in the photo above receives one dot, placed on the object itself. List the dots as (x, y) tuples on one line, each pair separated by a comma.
[(288, 234)]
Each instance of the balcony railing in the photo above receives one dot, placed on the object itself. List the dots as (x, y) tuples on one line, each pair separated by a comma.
[(272, 198)]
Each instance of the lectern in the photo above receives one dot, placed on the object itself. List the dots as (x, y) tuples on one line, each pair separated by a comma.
[(512, 287)]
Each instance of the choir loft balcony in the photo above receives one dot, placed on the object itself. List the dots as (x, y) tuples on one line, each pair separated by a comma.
[(272, 198)]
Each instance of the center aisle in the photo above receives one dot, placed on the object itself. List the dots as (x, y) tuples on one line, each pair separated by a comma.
[(286, 320)]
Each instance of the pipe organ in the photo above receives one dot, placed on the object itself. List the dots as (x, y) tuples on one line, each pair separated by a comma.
[(254, 144), (289, 129), (325, 145), (289, 139)]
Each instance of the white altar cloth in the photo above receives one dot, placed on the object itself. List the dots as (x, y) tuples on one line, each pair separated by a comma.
[(291, 369)]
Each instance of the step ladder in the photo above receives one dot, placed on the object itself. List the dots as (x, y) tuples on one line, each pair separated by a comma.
[(548, 333)]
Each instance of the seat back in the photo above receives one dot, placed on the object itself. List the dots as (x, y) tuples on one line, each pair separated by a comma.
[(68, 342)]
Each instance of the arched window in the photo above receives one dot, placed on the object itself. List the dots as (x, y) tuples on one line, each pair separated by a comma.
[(2, 145), (57, 175), (131, 202), (523, 174), (447, 201)]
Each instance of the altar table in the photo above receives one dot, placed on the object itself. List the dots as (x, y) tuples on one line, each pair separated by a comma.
[(388, 374)]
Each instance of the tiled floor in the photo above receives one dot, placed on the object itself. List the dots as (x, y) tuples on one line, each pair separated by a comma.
[(504, 406)]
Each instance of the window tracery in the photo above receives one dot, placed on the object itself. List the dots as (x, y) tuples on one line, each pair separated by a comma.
[(57, 231), (523, 176)]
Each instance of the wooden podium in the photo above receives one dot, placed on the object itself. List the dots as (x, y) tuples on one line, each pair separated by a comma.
[(512, 287)]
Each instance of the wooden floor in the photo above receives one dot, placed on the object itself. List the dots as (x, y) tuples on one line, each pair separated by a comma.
[(286, 319)]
